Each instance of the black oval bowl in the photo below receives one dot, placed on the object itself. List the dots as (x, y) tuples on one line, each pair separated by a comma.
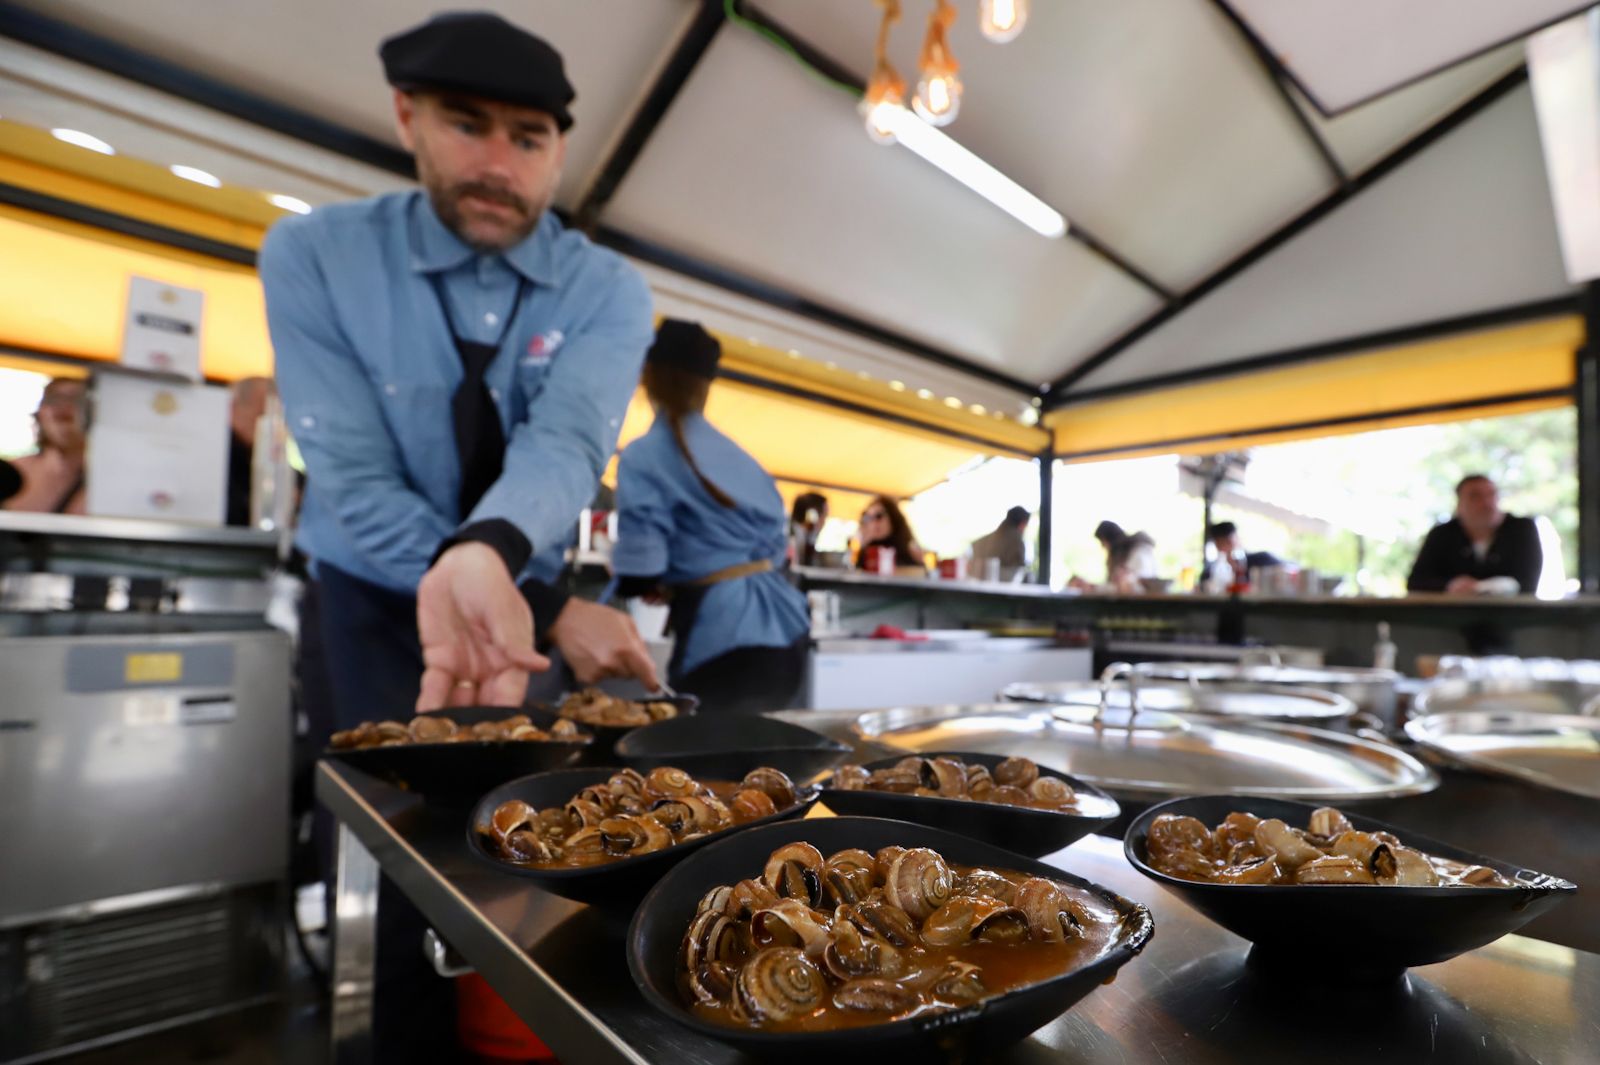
[(1379, 931), (462, 771), (1034, 833), (621, 883), (960, 1035), (717, 745), (603, 751)]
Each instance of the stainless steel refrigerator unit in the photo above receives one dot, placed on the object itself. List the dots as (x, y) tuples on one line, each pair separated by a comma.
[(144, 794)]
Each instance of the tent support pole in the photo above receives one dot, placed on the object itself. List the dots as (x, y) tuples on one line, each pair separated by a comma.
[(1587, 381), (1047, 467)]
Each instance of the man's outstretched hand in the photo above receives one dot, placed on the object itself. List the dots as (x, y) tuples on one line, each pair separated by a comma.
[(476, 632)]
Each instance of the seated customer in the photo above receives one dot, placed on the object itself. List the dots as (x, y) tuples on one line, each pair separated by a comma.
[(52, 477), (883, 525), (1005, 545), (1479, 543), (1233, 563)]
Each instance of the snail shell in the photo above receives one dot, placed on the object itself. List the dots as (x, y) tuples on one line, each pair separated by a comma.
[(671, 782), (918, 882), (794, 871), (779, 984), (774, 782), (1018, 772), (872, 995)]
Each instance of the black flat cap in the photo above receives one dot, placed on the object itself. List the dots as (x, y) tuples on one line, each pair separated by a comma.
[(687, 346), (480, 54)]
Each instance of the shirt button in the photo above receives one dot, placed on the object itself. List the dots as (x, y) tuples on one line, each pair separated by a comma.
[(307, 422), (491, 318), (494, 394), (389, 390)]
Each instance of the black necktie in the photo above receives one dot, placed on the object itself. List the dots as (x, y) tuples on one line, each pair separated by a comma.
[(480, 442)]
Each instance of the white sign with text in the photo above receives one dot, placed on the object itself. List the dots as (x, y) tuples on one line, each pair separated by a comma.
[(162, 330)]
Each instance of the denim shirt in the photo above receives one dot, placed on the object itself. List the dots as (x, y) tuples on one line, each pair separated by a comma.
[(669, 526), (367, 368)]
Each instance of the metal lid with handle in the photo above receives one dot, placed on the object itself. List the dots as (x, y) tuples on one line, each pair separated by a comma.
[(1145, 754)]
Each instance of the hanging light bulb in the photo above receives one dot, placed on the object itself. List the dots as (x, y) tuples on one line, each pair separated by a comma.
[(938, 99), (938, 96), (883, 102), (1001, 20)]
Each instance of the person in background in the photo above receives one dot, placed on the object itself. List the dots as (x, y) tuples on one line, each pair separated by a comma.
[(1130, 558), (806, 519), (1233, 562), (250, 395), (1005, 545), (883, 525), (52, 477), (1481, 542), (699, 520), (807, 504)]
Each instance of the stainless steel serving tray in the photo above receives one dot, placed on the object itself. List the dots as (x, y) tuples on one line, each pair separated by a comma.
[(1223, 698), (1506, 694), (1163, 754), (1560, 751)]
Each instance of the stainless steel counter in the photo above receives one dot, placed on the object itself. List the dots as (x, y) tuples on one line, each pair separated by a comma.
[(971, 643), (822, 577), (1190, 999), (74, 526)]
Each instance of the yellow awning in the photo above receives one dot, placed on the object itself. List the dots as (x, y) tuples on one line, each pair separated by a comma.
[(805, 444), (63, 289), (1473, 375)]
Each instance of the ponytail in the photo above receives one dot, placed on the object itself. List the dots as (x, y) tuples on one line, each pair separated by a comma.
[(676, 393)]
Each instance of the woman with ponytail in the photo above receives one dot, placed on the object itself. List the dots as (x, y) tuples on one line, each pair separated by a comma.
[(700, 522)]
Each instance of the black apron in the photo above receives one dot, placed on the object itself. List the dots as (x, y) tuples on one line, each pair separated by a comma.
[(684, 606), (480, 440)]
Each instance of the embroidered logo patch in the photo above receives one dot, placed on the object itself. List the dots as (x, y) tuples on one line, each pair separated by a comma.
[(543, 346)]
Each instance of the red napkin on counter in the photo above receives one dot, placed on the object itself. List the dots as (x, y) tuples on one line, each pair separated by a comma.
[(895, 632)]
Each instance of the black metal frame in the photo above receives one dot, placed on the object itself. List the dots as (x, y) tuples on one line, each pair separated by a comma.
[(70, 42), (1299, 224), (1245, 27), (1178, 443), (72, 211), (686, 55), (798, 305), (1587, 397), (1281, 79), (1328, 349), (1047, 483)]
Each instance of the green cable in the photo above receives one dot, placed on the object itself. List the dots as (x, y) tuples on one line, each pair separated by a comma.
[(778, 41)]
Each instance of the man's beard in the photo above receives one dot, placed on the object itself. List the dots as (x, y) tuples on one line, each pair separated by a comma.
[(447, 204)]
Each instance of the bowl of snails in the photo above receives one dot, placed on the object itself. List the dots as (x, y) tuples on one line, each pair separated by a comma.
[(603, 836), (1273, 871), (842, 938), (1012, 802), (453, 755)]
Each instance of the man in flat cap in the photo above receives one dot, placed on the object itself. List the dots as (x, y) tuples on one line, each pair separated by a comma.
[(455, 365)]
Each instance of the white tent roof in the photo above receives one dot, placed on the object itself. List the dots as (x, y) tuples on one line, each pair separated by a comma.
[(1152, 125)]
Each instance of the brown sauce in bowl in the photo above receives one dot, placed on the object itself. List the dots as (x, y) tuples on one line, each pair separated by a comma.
[(781, 953)]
